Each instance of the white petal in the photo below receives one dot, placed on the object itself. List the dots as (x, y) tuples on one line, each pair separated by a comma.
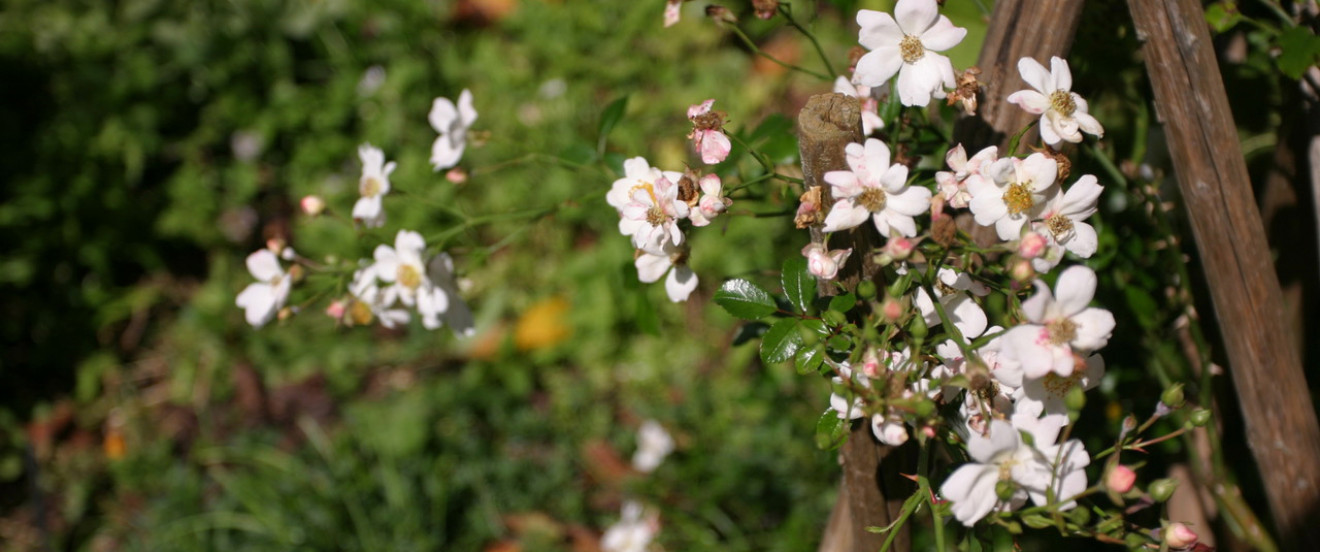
[(1035, 74), (264, 265), (1075, 289), (258, 302), (442, 115), (917, 81), (1048, 133), (680, 283), (966, 315), (987, 208), (1088, 124), (1036, 306), (878, 66), (844, 184), (911, 202), (915, 16), (845, 215), (1031, 101), (1094, 327), (1061, 76), (942, 35), (366, 208), (387, 263), (409, 242), (971, 489), (886, 222), (444, 153), (878, 29), (1083, 242), (651, 267), (466, 113)]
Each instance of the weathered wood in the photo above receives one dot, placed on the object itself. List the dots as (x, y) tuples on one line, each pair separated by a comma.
[(826, 125), (1018, 28), (1281, 426)]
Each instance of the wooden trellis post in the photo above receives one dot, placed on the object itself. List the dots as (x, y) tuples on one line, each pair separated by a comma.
[(1190, 101)]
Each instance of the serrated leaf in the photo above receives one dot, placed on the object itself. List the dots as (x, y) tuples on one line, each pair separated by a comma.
[(781, 341), (609, 118), (799, 285), (843, 303), (830, 431), (1299, 49), (745, 300), (808, 360)]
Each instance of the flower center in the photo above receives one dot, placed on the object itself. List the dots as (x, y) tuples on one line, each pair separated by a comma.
[(655, 216), (360, 313), (711, 120), (1058, 385), (409, 277), (1062, 331), (1018, 198), (911, 48), (873, 199), (1062, 101), (371, 186), (1059, 225)]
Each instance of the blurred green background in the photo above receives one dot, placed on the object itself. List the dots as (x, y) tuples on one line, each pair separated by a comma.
[(149, 146)]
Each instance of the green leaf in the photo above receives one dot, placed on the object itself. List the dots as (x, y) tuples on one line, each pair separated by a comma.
[(775, 139), (745, 300), (1222, 16), (1142, 305), (830, 431), (843, 303), (799, 285), (609, 118), (1299, 50), (781, 341), (808, 360)]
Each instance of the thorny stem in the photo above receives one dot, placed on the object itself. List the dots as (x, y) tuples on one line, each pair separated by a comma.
[(747, 41), (786, 10)]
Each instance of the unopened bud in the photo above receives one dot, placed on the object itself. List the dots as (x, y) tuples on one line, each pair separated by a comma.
[(1080, 516), (336, 310), (892, 309), (1200, 417), (1173, 396), (866, 289), (275, 245), (720, 14), (456, 175), (1004, 489), (1075, 399), (1021, 271), (1032, 245), (285, 313), (1120, 479), (900, 248), (1162, 489), (1177, 535), (918, 327), (312, 205)]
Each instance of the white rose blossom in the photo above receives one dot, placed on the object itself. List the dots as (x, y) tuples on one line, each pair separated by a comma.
[(633, 532), (1059, 325), (873, 189), (1012, 192), (711, 202), (905, 44), (262, 299), (647, 201), (1063, 113), (1063, 218), (653, 445), (954, 290), (953, 183), (373, 185), (367, 293), (452, 122)]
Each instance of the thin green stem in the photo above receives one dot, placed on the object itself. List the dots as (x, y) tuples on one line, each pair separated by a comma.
[(747, 41), (786, 10)]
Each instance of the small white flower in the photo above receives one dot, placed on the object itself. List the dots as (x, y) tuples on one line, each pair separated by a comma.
[(652, 264), (953, 184), (1063, 113), (369, 295), (633, 533), (403, 266), (1001, 455), (457, 315), (373, 185), (1046, 394), (262, 299), (905, 43), (452, 123), (952, 289), (1062, 220), (673, 10), (653, 445), (824, 264), (1012, 193), (647, 201), (871, 120), (1057, 328), (873, 189)]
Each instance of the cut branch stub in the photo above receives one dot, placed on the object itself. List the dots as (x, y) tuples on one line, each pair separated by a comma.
[(826, 125)]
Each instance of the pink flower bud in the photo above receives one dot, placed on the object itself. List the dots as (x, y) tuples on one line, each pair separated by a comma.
[(672, 12), (312, 205), (456, 175), (1120, 479), (900, 248), (892, 309), (871, 363), (1178, 536), (1032, 245), (1022, 271), (335, 310), (275, 245)]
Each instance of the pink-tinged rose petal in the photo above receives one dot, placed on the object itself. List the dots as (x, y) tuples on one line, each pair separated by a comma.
[(1031, 101), (715, 147), (845, 215)]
